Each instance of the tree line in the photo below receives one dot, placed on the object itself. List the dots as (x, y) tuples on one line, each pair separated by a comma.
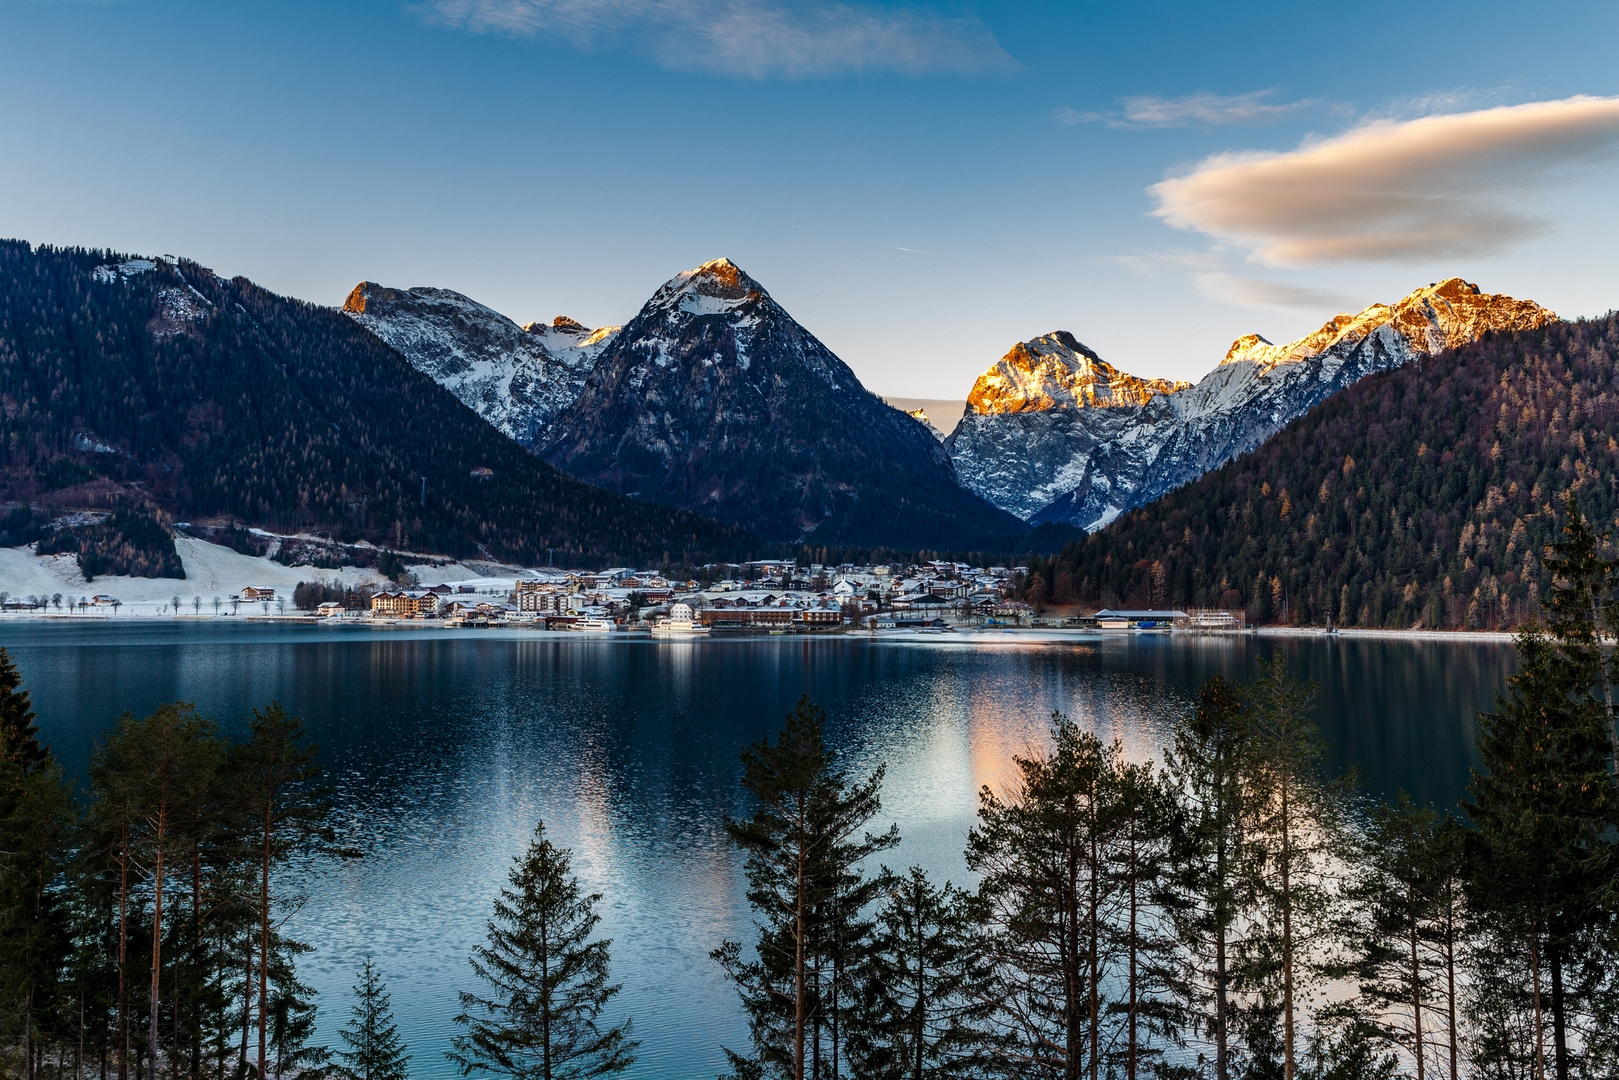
[(1230, 912), (1417, 497)]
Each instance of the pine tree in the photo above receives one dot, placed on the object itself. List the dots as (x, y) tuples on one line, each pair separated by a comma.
[(375, 1050), (19, 735), (1138, 862), (1582, 608), (924, 1007), (1403, 912), (547, 981), (1044, 887), (152, 770), (1547, 810), (806, 841), (1295, 819), (275, 771), (1210, 878)]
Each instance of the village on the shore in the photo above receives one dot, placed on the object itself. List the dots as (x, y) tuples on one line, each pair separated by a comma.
[(767, 595)]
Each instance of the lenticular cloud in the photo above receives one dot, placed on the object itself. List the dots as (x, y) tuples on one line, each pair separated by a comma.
[(749, 38), (1457, 184)]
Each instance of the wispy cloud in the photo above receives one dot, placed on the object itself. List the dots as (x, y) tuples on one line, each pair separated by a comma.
[(1437, 186), (748, 38), (1260, 293), (1211, 275), (1194, 110)]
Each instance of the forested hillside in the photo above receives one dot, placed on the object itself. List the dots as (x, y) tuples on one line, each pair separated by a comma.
[(1420, 497), (128, 382)]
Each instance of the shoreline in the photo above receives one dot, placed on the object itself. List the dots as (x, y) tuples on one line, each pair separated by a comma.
[(1024, 632)]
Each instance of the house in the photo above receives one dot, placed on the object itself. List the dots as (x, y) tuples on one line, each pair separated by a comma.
[(420, 604), (1108, 619), (251, 593), (331, 609)]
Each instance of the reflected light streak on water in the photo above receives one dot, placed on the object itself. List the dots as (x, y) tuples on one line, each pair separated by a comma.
[(445, 748)]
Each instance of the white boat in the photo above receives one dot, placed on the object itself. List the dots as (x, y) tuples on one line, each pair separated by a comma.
[(596, 626), (679, 623)]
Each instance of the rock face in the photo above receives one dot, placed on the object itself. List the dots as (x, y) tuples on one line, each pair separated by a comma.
[(1054, 434), (714, 399), (516, 377), (1057, 372)]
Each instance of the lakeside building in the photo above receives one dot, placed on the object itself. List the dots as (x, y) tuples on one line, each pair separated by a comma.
[(415, 604)]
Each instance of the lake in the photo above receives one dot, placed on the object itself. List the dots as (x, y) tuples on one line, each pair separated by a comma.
[(445, 748)]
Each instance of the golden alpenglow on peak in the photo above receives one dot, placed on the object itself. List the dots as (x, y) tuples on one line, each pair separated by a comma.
[(1055, 371), (1441, 316)]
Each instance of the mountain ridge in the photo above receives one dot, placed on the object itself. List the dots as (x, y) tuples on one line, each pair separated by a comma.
[(158, 382), (1080, 465), (715, 399), (1420, 497), (517, 378)]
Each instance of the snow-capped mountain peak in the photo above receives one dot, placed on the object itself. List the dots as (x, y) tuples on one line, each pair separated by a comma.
[(1085, 466), (1055, 371), (712, 288), (714, 398), (517, 378)]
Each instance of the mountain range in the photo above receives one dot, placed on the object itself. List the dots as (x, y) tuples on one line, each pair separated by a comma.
[(1054, 434), (712, 398), (709, 421), (1422, 497), (157, 383)]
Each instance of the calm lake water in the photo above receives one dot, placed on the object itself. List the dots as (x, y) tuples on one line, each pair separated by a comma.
[(446, 747)]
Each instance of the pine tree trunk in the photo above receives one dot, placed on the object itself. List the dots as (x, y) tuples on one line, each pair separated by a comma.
[(1130, 1058), (1450, 979), (1416, 981), (1287, 934), (200, 964), (1554, 960), (157, 943), (1540, 1030), (247, 998), (1092, 917), (798, 960), (1221, 1068), (264, 941), (123, 945), (1068, 920)]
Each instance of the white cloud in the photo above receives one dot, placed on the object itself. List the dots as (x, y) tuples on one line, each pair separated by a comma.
[(1259, 293), (1211, 276), (1202, 109), (749, 38), (1439, 186)]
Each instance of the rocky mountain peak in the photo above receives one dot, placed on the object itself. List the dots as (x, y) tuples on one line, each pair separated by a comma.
[(517, 378), (714, 287), (368, 292), (1056, 371), (714, 398), (1441, 316)]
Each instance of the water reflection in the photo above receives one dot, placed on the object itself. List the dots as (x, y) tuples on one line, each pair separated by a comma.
[(446, 747)]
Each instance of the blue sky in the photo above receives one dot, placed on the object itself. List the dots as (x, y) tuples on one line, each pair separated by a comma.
[(920, 185)]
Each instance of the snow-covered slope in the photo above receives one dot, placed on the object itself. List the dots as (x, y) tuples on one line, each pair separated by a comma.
[(516, 377), (212, 570), (714, 399), (1082, 456)]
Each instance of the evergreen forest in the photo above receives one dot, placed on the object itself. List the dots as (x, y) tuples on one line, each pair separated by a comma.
[(1417, 498), (172, 393), (1228, 911)]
